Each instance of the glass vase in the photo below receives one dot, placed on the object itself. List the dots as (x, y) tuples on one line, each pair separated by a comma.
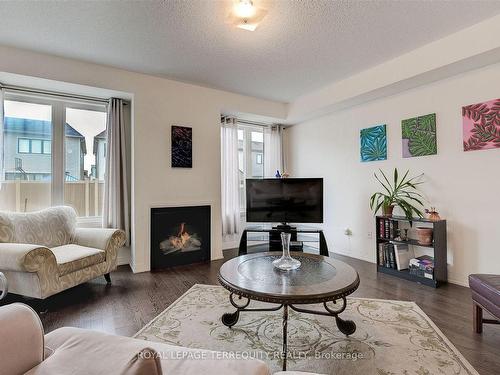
[(286, 262)]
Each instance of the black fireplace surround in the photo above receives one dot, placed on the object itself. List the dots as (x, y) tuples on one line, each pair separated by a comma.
[(179, 235)]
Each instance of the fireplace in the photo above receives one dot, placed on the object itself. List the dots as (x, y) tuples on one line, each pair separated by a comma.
[(179, 235)]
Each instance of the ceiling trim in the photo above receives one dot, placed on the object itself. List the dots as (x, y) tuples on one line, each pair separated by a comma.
[(437, 60)]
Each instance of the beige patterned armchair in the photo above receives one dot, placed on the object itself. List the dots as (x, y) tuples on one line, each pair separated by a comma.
[(43, 252)]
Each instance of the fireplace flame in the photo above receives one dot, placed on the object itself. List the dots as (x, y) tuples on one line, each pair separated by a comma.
[(183, 242), (182, 239)]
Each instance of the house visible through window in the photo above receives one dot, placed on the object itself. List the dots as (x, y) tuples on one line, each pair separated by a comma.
[(250, 156), (53, 153)]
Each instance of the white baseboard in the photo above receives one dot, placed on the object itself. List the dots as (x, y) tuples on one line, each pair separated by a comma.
[(456, 282), (138, 268), (230, 245)]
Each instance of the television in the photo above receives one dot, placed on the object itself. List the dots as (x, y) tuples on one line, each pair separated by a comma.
[(284, 200)]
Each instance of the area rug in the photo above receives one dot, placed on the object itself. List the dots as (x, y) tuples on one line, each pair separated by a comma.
[(392, 337)]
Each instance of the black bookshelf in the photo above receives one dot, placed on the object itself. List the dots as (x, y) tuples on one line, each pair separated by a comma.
[(438, 245)]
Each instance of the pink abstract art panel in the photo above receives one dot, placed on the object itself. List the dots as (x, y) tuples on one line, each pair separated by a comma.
[(481, 125)]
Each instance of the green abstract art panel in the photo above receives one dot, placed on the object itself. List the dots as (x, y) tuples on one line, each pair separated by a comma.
[(419, 136), (373, 143)]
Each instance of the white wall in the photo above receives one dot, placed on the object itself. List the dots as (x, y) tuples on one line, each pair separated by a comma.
[(465, 187), (158, 103)]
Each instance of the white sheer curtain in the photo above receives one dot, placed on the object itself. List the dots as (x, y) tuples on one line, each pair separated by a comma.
[(273, 150), (230, 179), (116, 212)]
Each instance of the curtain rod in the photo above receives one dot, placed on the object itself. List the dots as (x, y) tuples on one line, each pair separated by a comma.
[(248, 122), (57, 94)]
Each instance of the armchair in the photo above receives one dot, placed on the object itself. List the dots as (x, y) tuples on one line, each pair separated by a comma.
[(43, 252)]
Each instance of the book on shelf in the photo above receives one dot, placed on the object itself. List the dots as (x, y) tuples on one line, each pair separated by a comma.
[(393, 229), (386, 255), (403, 253), (381, 258), (381, 228), (387, 228), (422, 266), (392, 260)]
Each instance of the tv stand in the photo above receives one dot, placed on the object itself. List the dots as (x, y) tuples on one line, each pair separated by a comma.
[(299, 236), (284, 227)]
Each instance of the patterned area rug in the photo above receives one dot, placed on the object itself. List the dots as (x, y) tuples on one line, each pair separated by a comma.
[(392, 337)]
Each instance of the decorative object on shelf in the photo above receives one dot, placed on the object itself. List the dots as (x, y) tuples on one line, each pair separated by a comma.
[(286, 262), (4, 289), (285, 175), (481, 125), (424, 236), (419, 136), (387, 210), (182, 147), (404, 234), (277, 175), (401, 192), (433, 215), (373, 143), (398, 235)]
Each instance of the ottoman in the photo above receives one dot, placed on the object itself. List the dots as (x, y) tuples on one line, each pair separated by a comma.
[(485, 291)]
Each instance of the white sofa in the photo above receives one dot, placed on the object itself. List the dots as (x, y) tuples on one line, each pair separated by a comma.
[(43, 252), (26, 350)]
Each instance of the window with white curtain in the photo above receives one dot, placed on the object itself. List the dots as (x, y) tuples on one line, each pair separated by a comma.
[(250, 157), (53, 153)]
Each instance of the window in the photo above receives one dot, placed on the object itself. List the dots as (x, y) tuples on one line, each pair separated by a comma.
[(23, 146), (53, 152), (47, 147), (36, 146), (26, 177), (250, 156), (33, 146), (85, 160)]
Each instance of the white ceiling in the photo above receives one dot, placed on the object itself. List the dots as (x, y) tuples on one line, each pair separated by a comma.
[(299, 47)]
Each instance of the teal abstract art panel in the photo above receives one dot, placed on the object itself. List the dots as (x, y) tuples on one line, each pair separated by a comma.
[(373, 143)]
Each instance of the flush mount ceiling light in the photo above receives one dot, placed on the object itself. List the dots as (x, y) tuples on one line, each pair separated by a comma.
[(246, 15)]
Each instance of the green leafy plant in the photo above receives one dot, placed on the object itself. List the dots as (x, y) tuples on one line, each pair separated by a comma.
[(400, 192)]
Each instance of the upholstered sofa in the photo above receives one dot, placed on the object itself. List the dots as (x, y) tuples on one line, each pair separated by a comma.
[(72, 351), (485, 290), (43, 252)]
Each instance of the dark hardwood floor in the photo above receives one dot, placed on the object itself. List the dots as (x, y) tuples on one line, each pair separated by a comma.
[(134, 299)]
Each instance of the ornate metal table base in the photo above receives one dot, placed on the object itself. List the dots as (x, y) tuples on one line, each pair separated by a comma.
[(347, 327)]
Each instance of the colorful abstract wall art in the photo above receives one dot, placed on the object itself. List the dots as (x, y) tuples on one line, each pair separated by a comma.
[(373, 143), (182, 147), (481, 125), (419, 136)]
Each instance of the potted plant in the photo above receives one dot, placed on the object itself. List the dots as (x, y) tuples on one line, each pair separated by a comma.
[(401, 192)]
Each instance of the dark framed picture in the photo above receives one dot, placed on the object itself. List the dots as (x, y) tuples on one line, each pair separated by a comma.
[(182, 147)]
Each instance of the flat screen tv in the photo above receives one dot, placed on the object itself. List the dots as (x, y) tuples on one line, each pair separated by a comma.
[(285, 200)]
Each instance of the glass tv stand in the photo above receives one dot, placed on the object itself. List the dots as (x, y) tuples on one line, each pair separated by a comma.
[(267, 237)]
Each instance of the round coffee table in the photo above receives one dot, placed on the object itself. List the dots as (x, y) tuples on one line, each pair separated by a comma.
[(318, 280)]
